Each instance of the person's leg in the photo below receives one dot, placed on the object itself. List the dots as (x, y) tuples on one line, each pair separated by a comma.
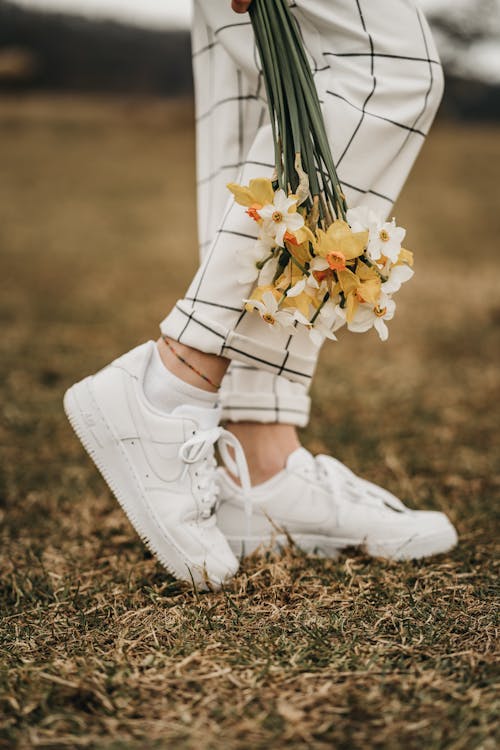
[(234, 139), (150, 419), (380, 81)]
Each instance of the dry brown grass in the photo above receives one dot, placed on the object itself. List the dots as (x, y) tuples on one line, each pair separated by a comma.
[(99, 647)]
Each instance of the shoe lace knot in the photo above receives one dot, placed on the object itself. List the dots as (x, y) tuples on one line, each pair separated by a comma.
[(198, 452)]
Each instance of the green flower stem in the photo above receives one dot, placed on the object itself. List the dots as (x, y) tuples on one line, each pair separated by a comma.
[(295, 110), (297, 54), (283, 297), (364, 259), (261, 263), (270, 82), (299, 265), (323, 303)]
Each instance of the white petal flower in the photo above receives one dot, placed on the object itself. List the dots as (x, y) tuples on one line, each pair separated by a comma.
[(326, 323), (269, 311), (277, 217), (297, 288), (386, 240), (250, 259), (312, 282), (397, 276), (367, 316), (317, 264), (268, 272), (362, 218)]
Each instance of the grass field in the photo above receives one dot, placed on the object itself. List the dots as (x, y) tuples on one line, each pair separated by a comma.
[(99, 647)]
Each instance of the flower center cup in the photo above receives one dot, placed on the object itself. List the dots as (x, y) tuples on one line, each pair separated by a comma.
[(291, 238), (321, 275), (269, 319), (336, 260), (380, 311), (277, 217), (253, 211), (384, 235)]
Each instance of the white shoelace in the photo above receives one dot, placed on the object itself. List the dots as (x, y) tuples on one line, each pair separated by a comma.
[(200, 450)]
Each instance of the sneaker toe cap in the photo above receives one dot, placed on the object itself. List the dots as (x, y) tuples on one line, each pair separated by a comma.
[(425, 533), (211, 561)]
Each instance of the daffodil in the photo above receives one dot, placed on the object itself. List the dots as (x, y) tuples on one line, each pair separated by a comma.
[(363, 219), (326, 323), (363, 286), (319, 269), (398, 275), (298, 295), (339, 245), (368, 316), (258, 193), (252, 259), (336, 249), (297, 288), (386, 242), (269, 310), (384, 238), (268, 272), (280, 217)]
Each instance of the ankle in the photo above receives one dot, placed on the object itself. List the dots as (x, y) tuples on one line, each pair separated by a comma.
[(204, 371), (266, 446)]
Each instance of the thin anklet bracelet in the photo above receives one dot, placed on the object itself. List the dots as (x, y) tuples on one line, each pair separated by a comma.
[(191, 367)]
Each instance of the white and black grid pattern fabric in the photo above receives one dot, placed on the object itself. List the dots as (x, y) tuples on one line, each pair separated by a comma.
[(380, 82)]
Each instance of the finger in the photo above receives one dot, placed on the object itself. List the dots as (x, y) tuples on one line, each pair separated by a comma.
[(240, 6)]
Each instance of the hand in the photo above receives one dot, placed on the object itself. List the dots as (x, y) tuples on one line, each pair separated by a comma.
[(240, 6)]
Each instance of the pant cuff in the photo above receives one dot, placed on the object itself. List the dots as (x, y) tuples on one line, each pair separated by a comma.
[(265, 408), (186, 325)]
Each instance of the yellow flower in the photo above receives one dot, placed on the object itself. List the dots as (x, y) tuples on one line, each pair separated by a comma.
[(363, 286), (405, 256), (292, 278), (258, 193), (300, 250), (301, 237), (339, 244)]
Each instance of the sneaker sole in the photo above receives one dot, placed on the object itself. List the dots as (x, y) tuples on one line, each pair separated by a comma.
[(310, 544), (87, 420), (409, 548)]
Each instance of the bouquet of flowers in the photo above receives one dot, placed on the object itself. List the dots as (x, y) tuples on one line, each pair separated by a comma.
[(316, 263)]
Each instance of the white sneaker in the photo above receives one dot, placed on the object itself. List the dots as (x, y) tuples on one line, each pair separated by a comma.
[(324, 507), (161, 468)]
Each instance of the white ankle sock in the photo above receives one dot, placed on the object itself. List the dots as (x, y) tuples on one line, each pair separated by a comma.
[(166, 391)]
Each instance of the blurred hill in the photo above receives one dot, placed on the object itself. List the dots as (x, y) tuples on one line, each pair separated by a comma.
[(55, 51), (52, 51)]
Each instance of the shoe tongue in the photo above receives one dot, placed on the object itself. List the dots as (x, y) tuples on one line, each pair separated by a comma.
[(300, 458), (205, 418)]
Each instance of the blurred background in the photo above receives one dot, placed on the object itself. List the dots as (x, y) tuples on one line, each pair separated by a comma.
[(97, 241), (144, 48)]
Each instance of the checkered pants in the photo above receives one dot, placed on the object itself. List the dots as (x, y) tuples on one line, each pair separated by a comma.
[(379, 80)]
